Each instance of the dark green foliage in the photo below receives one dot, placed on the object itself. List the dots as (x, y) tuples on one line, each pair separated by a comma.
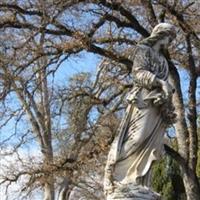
[(167, 180)]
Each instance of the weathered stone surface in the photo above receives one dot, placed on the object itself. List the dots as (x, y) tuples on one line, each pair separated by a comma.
[(133, 192), (141, 132)]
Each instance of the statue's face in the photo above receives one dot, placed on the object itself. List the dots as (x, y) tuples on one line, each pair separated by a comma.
[(165, 42), (170, 39)]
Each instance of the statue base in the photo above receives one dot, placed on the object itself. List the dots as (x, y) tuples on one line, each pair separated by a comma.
[(133, 192)]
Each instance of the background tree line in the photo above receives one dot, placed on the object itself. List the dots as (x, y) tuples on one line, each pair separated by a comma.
[(71, 125)]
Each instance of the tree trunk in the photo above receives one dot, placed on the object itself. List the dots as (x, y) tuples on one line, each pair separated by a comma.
[(64, 190), (190, 180), (192, 187), (49, 190)]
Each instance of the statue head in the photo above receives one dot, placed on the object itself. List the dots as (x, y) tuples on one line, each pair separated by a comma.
[(163, 32), (164, 29)]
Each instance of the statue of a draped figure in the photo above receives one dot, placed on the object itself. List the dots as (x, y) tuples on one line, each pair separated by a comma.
[(140, 140)]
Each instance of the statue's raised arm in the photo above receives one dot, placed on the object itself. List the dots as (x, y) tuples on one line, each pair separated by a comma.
[(149, 112)]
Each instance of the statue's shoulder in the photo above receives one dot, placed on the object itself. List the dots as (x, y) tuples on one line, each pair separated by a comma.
[(142, 50), (139, 49), (143, 47)]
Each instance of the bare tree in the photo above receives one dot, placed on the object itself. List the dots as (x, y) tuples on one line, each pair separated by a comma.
[(38, 36)]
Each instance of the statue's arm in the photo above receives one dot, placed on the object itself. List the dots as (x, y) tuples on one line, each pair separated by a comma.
[(142, 74), (141, 69)]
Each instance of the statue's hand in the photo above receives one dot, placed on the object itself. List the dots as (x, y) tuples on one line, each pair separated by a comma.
[(167, 88), (159, 100)]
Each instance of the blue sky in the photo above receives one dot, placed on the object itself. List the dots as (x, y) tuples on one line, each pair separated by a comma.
[(85, 62)]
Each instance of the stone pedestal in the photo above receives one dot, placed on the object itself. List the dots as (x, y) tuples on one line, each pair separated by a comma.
[(133, 192)]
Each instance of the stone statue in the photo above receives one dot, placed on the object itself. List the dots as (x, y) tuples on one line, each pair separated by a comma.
[(148, 114)]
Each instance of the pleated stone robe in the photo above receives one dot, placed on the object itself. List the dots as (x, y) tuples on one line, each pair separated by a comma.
[(141, 132)]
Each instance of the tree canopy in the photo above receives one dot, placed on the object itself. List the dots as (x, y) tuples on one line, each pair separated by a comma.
[(55, 137)]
